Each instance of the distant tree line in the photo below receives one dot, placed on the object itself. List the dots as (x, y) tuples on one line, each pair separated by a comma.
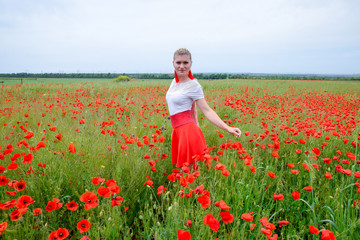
[(170, 76)]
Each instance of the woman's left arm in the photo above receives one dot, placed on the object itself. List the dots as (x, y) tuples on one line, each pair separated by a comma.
[(215, 119)]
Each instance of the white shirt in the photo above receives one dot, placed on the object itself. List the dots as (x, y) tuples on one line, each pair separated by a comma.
[(181, 96)]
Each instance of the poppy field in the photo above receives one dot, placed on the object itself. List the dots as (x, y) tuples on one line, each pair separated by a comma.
[(92, 160)]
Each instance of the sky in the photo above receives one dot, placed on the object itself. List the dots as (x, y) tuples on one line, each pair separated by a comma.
[(140, 36)]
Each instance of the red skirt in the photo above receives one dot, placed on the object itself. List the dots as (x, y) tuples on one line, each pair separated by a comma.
[(187, 139)]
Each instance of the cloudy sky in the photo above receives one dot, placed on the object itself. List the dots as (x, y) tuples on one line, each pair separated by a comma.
[(137, 36)]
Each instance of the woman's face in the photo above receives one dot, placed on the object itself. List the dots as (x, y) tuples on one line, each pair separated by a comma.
[(182, 65)]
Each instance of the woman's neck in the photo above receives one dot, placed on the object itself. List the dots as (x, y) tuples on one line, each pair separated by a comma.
[(183, 79)]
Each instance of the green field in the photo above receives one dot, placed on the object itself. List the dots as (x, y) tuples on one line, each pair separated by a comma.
[(117, 128)]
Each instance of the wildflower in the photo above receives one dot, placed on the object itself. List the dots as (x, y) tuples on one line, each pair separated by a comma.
[(221, 204), (37, 211), (90, 200), (83, 226), (212, 222), (204, 200), (183, 235), (308, 188), (247, 216), (327, 235), (313, 230), (72, 206), (278, 197), (227, 217), (72, 148)]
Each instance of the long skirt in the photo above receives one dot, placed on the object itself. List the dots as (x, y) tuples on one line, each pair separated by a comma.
[(187, 141)]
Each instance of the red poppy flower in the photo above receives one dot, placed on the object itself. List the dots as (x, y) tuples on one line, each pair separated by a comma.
[(183, 182), (72, 206), (295, 195), (149, 182), (62, 233), (97, 180), (188, 223), (212, 222), (53, 205), (90, 200), (8, 204), (29, 135), (85, 238), (113, 187), (283, 222), (53, 235), (183, 235), (83, 225), (171, 177), (290, 165), (327, 235), (313, 230), (252, 226), (275, 154), (267, 232), (327, 160), (16, 214), (37, 211), (190, 178), (3, 227), (221, 204), (308, 188), (20, 185), (226, 173), (278, 197), (28, 158), (268, 225), (328, 175), (104, 191), (72, 148), (40, 145), (24, 201), (247, 216), (199, 190), (42, 165), (161, 189), (271, 174), (316, 151), (351, 156), (3, 180), (13, 166), (227, 217), (204, 200), (116, 201)]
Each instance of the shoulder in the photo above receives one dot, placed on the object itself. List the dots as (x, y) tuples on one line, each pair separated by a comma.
[(195, 83)]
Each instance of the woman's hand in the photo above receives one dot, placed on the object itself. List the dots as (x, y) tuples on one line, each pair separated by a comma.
[(235, 131)]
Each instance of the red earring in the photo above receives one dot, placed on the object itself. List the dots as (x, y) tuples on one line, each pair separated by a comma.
[(176, 77), (191, 76)]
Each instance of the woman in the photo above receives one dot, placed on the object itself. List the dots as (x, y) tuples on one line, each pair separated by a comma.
[(184, 93)]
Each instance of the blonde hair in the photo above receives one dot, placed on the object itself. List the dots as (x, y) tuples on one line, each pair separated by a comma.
[(182, 51)]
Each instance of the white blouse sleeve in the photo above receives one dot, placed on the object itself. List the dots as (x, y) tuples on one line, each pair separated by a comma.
[(197, 93)]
